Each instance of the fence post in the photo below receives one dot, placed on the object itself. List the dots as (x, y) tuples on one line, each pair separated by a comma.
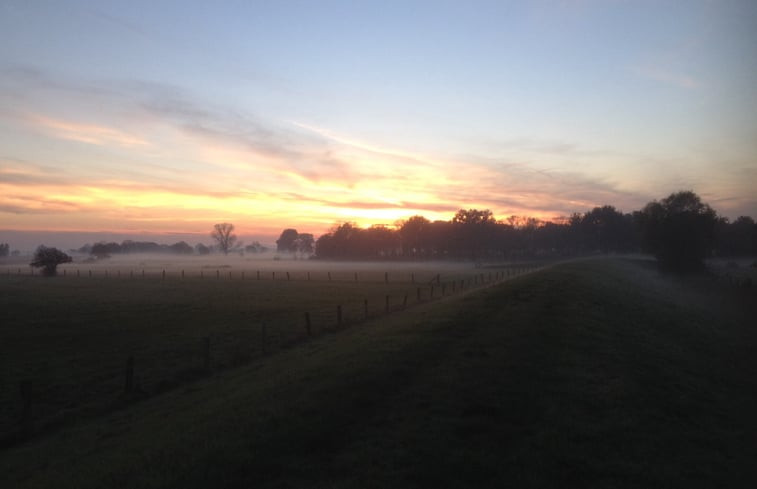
[(164, 275), (129, 375), (308, 276), (273, 275), (307, 324), (143, 273), (25, 388), (404, 302), (229, 274), (218, 273), (118, 273), (64, 272), (339, 315), (206, 352), (90, 273)]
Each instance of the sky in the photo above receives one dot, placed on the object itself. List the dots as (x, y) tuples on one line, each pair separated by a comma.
[(164, 117)]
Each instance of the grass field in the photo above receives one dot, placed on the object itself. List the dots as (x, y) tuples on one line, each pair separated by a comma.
[(599, 373), (70, 336)]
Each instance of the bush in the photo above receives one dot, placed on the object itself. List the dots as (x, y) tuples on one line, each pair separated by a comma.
[(48, 259)]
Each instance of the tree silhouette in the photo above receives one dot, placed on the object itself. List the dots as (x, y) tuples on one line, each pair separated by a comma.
[(48, 259), (223, 235), (678, 230), (287, 242)]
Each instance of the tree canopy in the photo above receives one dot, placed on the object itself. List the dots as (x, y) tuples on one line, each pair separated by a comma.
[(678, 230), (48, 259), (223, 234)]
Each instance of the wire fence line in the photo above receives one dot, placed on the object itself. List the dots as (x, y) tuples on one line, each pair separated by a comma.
[(36, 401)]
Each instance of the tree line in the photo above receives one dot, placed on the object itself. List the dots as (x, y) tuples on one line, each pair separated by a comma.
[(680, 230)]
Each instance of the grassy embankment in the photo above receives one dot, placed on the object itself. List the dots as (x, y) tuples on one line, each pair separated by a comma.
[(69, 337), (591, 374)]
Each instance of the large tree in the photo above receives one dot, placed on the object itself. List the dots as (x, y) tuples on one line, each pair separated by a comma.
[(287, 242), (678, 230), (223, 234), (48, 259)]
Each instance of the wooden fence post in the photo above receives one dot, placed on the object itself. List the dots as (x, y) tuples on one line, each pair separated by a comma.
[(90, 273), (164, 275), (307, 324), (308, 276), (218, 274), (129, 375), (404, 302), (229, 274)]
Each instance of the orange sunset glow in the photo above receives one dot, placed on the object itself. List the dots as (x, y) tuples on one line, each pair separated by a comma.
[(134, 126)]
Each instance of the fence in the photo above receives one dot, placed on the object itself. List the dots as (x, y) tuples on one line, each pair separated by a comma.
[(42, 404)]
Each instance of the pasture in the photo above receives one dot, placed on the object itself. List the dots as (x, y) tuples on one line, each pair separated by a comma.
[(594, 373), (67, 340)]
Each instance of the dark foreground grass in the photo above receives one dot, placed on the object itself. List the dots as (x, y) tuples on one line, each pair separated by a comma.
[(591, 374)]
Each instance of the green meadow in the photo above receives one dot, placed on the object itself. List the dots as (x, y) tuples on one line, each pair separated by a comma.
[(593, 373)]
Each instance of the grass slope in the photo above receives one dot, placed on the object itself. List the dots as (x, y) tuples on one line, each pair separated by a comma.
[(590, 374)]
